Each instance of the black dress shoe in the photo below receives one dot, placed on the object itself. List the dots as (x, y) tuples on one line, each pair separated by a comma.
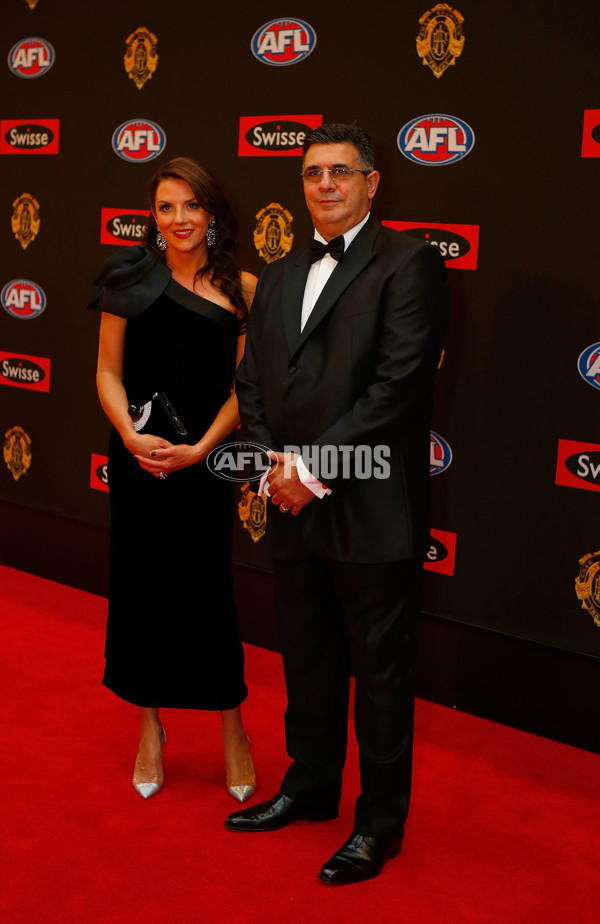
[(276, 813), (360, 858)]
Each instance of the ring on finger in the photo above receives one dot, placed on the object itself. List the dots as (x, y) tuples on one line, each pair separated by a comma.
[(284, 509), (162, 476)]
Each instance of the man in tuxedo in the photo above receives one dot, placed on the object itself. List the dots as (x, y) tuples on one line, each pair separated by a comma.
[(343, 344)]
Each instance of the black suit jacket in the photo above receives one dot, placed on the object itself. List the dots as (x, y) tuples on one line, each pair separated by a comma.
[(360, 373)]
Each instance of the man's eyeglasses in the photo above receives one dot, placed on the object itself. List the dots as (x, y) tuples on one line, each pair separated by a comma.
[(338, 173)]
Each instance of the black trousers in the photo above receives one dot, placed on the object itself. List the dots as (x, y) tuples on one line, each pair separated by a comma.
[(336, 619)]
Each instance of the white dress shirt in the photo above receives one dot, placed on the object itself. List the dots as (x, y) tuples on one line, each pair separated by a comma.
[(321, 270)]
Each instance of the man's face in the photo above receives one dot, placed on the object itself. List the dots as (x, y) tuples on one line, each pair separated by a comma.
[(337, 207)]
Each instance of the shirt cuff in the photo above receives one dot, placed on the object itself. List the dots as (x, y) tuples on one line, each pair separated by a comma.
[(309, 481)]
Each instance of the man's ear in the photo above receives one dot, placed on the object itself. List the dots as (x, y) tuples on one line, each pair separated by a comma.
[(372, 183)]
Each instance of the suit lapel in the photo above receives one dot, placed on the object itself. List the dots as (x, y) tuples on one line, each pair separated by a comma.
[(294, 283), (360, 253)]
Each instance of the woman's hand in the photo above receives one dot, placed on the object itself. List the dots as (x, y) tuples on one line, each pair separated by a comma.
[(143, 444), (164, 457)]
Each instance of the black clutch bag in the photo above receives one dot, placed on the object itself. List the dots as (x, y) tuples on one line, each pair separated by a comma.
[(159, 403)]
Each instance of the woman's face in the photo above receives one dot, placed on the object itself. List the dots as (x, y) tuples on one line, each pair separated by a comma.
[(179, 216)]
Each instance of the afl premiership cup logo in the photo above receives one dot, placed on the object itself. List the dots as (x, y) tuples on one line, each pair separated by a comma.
[(273, 236)]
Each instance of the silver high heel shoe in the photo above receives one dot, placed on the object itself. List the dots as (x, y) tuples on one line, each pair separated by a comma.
[(147, 788), (242, 791)]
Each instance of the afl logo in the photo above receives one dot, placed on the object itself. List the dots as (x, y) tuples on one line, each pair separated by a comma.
[(436, 140), (239, 461), (31, 57), (440, 454), (589, 365), (23, 299), (283, 41), (139, 140)]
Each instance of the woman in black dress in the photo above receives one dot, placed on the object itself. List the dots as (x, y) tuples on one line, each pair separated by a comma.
[(171, 335)]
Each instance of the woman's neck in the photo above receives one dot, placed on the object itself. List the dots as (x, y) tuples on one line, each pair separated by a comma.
[(184, 266)]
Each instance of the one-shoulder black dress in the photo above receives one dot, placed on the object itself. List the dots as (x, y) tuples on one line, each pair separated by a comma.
[(172, 634)]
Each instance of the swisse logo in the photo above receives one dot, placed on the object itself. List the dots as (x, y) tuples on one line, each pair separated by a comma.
[(99, 473), (589, 365), (436, 140), (585, 465), (590, 144), (274, 137), (268, 136), (139, 140), (578, 465), (23, 299), (283, 41), (440, 454), (441, 552), (458, 244), (118, 226), (239, 461), (20, 136), (31, 57), (31, 372)]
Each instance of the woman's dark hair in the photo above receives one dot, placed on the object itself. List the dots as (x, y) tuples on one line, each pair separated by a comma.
[(221, 262)]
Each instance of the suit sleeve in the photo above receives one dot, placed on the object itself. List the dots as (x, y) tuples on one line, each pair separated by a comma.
[(413, 311)]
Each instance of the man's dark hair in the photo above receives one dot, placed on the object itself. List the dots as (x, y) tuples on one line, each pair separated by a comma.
[(339, 133)]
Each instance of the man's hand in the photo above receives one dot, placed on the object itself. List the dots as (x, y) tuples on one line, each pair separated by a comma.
[(285, 488)]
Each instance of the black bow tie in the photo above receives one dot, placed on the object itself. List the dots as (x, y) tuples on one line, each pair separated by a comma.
[(335, 248)]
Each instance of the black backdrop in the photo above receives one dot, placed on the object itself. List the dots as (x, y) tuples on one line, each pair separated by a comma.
[(509, 390)]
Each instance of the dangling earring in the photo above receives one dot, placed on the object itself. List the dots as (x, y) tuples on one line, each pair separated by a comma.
[(211, 234), (160, 242)]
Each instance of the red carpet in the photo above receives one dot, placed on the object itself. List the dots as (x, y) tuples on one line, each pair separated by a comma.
[(504, 826)]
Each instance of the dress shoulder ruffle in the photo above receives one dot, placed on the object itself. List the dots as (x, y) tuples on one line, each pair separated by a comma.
[(130, 281)]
